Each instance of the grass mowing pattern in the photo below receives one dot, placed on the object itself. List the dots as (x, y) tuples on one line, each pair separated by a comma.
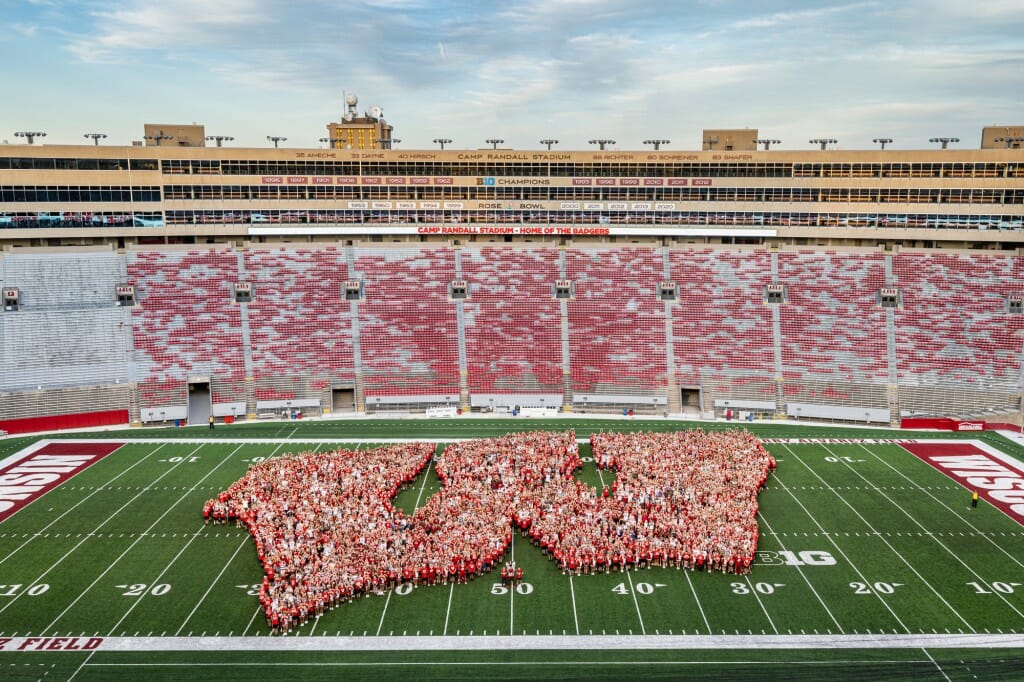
[(124, 552)]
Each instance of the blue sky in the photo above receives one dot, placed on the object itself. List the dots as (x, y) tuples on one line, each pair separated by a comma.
[(522, 71)]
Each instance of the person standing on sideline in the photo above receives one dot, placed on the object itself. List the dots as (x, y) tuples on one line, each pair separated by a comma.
[(974, 499), (211, 422)]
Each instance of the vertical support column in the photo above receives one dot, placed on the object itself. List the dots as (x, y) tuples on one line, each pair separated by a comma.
[(780, 397), (134, 409), (357, 356), (893, 388), (128, 341), (250, 374), (460, 318), (673, 401), (563, 308)]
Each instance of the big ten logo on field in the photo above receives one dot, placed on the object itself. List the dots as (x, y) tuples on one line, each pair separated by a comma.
[(788, 558)]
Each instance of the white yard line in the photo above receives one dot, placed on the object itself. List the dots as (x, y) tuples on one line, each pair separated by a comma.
[(210, 588), (757, 596), (775, 477), (700, 608), (449, 609), (575, 618), (802, 575), (137, 540), (944, 675), (881, 537), (932, 536), (84, 663), (512, 592), (252, 620), (423, 485), (643, 630), (77, 504), (977, 531), (156, 581), (96, 529), (384, 612)]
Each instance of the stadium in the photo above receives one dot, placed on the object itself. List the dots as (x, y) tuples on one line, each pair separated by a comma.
[(177, 316)]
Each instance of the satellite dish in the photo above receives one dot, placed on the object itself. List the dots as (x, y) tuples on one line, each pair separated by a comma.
[(376, 112), (348, 116), (351, 100)]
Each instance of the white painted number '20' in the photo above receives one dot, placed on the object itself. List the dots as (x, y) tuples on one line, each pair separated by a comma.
[(139, 589)]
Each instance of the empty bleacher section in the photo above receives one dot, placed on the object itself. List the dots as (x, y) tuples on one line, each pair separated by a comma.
[(299, 322), (67, 333), (722, 329), (408, 329), (186, 324), (617, 345), (954, 328), (833, 330), (377, 327), (513, 326)]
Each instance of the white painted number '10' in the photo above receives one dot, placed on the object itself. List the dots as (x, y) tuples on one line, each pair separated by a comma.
[(15, 589)]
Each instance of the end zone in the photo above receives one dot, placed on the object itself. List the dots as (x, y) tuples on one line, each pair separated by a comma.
[(998, 478), (35, 471)]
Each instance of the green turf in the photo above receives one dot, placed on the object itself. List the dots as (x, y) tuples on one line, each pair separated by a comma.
[(123, 552)]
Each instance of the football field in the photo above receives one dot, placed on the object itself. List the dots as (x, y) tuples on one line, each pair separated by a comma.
[(871, 564)]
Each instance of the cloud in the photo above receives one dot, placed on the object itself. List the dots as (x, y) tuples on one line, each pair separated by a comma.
[(538, 68), (797, 17), (173, 24)]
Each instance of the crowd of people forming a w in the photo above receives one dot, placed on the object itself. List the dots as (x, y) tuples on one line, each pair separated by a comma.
[(326, 530)]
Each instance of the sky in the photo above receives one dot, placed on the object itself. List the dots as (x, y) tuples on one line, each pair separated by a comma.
[(469, 70)]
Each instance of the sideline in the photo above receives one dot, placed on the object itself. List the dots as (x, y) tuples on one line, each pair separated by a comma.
[(513, 643)]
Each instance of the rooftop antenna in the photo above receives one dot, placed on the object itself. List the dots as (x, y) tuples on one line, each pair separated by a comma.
[(351, 101)]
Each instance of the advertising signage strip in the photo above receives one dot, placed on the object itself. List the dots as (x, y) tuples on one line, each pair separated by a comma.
[(487, 182), (549, 230)]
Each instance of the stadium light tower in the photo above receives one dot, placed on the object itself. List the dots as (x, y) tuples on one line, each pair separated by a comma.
[(30, 136), (1011, 142), (158, 138), (657, 143), (767, 143), (494, 142), (549, 142), (711, 142), (944, 141), (442, 141), (276, 139), (882, 141), (393, 141), (219, 139), (824, 142), (95, 137), (601, 142), (333, 141)]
